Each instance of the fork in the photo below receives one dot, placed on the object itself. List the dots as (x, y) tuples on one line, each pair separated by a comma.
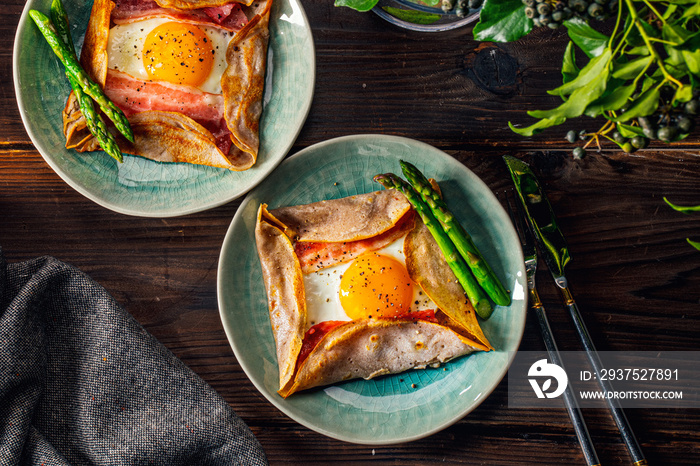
[(527, 240)]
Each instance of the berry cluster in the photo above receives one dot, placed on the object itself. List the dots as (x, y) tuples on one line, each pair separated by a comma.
[(667, 124), (460, 8), (552, 13)]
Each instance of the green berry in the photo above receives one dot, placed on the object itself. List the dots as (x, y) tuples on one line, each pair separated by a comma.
[(579, 6), (692, 107), (649, 133), (619, 138), (582, 134), (558, 16), (640, 142), (685, 123), (530, 12), (571, 136), (644, 122), (579, 152), (544, 8), (628, 147), (595, 10), (666, 133)]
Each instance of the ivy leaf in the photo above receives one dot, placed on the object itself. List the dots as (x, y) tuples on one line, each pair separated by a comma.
[(692, 11), (613, 100), (591, 71), (537, 127), (359, 5), (569, 69), (683, 94), (641, 50), (644, 105), (578, 101), (592, 42), (631, 69), (502, 21), (629, 131), (412, 16)]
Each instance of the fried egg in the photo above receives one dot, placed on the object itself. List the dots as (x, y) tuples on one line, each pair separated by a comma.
[(160, 49), (375, 284)]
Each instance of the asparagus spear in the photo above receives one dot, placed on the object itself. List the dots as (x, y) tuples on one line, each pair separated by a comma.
[(94, 121), (76, 71), (472, 289), (459, 236)]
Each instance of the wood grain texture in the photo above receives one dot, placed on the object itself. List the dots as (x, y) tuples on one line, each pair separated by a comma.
[(635, 278)]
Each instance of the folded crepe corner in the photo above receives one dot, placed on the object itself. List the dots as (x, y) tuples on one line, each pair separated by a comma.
[(285, 293), (167, 136), (361, 348)]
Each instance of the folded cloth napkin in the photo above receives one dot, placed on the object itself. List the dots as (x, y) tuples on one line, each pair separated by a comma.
[(81, 382)]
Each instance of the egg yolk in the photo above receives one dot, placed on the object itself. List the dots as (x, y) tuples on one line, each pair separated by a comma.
[(178, 53), (375, 285)]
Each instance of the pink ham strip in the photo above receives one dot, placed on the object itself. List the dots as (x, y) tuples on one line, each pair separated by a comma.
[(230, 17), (133, 96), (315, 256)]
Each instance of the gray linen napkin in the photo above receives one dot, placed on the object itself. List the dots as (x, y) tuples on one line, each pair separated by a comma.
[(81, 382)]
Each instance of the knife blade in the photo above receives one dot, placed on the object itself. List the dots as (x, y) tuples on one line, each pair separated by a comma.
[(555, 252)]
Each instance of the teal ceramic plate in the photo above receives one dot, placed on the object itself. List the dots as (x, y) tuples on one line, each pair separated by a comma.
[(389, 409), (143, 187)]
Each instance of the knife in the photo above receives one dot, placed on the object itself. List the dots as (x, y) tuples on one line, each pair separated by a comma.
[(555, 253)]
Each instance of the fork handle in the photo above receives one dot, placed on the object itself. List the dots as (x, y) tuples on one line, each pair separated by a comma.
[(584, 438), (616, 411)]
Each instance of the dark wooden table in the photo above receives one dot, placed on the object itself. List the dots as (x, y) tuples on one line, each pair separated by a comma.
[(635, 277)]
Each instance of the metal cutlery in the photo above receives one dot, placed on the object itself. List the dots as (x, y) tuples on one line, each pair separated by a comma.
[(550, 240), (527, 241)]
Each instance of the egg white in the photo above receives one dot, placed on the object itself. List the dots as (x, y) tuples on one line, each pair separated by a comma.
[(125, 50), (322, 289)]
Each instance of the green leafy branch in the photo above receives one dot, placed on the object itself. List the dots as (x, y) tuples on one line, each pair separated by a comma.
[(642, 79)]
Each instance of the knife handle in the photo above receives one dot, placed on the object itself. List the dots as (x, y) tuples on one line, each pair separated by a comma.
[(570, 402), (617, 412)]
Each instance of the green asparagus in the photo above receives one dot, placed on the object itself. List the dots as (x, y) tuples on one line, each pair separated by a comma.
[(93, 120), (459, 236), (73, 67), (472, 289)]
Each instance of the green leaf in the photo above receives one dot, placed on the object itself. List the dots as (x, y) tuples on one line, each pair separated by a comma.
[(684, 209), (359, 5), (629, 131), (412, 16), (579, 100), (644, 105), (634, 38), (631, 69), (502, 21), (537, 127), (592, 42), (692, 61), (641, 50), (694, 244), (591, 71), (692, 11), (569, 69), (613, 100), (683, 94)]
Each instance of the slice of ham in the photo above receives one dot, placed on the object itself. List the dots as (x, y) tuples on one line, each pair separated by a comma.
[(134, 96), (315, 256), (230, 17)]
